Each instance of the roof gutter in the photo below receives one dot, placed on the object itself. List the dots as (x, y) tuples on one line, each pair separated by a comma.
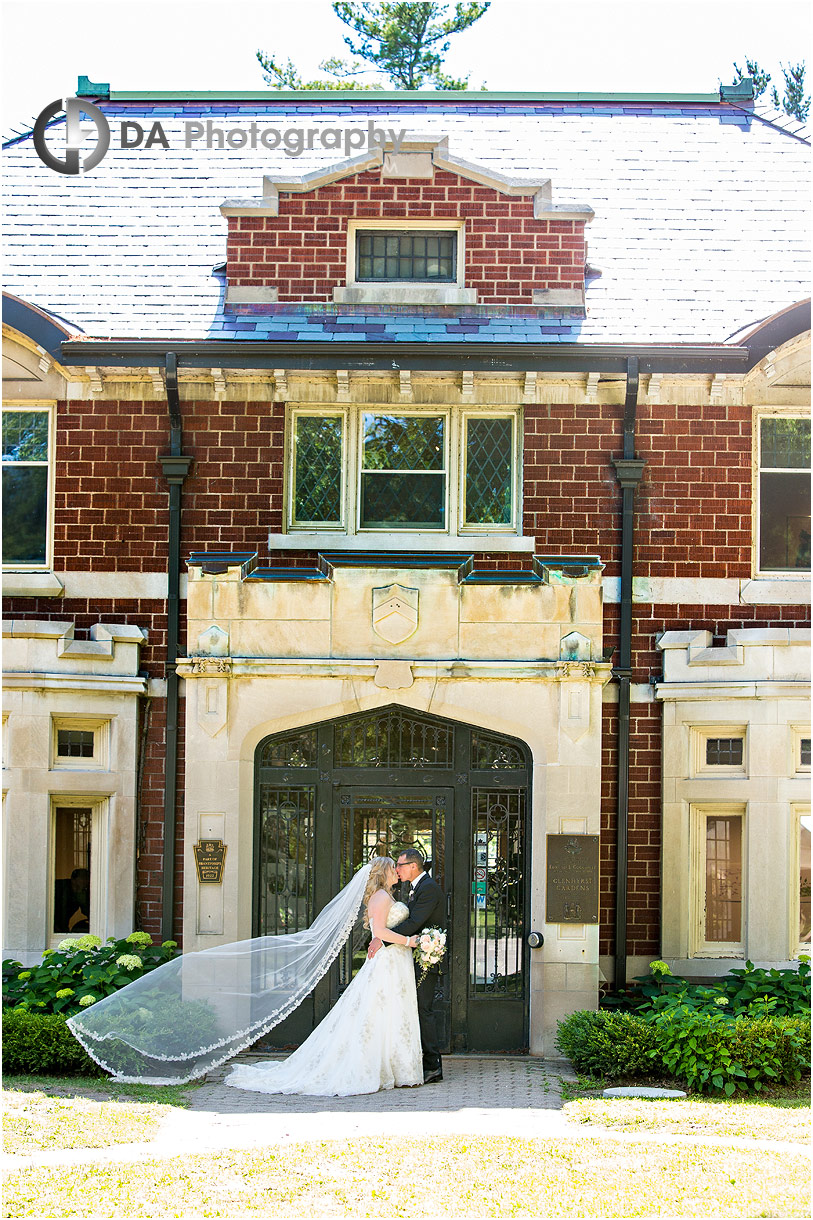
[(496, 357)]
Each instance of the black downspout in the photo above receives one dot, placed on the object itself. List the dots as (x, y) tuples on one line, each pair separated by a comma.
[(629, 470), (176, 468)]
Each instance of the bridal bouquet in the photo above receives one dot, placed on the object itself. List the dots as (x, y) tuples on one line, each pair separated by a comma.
[(429, 950)]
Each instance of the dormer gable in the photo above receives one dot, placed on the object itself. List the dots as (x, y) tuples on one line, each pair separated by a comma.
[(406, 223)]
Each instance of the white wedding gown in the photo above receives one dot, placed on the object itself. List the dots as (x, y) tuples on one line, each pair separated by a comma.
[(370, 1039)]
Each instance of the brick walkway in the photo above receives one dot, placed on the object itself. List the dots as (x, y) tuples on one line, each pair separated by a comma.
[(469, 1082)]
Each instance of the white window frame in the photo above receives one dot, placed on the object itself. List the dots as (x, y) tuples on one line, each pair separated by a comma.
[(43, 408), (409, 412), (797, 732), (798, 810), (100, 815), (455, 458), (698, 816), (100, 728), (396, 224), (761, 413), (700, 736), (516, 493)]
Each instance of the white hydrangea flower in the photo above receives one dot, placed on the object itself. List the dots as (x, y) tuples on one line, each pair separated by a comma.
[(139, 938), (87, 1000), (70, 943), (64, 992), (88, 942), (129, 961)]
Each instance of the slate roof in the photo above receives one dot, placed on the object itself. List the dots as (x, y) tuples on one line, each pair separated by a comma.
[(700, 229)]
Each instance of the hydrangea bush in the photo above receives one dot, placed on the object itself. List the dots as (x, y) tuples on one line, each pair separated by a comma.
[(80, 971)]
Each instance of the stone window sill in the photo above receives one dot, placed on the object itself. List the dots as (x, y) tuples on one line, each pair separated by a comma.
[(404, 294), (32, 584), (325, 541)]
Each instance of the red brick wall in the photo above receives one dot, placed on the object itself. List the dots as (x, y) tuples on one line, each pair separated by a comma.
[(644, 836), (693, 506), (110, 496), (233, 496), (302, 252)]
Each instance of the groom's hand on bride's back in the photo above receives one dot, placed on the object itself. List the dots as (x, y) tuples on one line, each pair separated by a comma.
[(375, 945)]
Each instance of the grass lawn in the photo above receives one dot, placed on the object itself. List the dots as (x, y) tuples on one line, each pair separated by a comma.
[(783, 1113), (444, 1177), (47, 1112)]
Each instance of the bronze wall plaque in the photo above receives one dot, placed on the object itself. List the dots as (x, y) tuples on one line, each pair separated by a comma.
[(572, 889), (210, 858)]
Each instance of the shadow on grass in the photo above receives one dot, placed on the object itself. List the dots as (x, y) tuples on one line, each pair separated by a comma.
[(100, 1088)]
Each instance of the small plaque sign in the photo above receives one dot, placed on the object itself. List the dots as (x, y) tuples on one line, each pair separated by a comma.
[(572, 889), (210, 857)]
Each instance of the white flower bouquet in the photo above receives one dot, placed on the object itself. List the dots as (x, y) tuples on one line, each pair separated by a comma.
[(429, 950)]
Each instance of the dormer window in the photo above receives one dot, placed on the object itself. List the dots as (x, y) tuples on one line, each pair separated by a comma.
[(406, 262), (426, 256)]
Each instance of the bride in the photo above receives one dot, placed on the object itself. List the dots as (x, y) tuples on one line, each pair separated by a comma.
[(177, 1022), (370, 1039)]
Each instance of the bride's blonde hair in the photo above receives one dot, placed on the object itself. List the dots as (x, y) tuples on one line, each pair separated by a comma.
[(377, 880)]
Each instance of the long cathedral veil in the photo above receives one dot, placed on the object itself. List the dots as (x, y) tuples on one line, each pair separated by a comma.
[(193, 1013)]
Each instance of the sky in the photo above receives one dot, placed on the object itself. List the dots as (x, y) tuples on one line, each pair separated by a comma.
[(660, 46)]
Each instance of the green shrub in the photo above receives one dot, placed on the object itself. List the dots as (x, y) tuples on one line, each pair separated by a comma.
[(80, 971), (608, 1043), (745, 992), (42, 1045), (713, 1053)]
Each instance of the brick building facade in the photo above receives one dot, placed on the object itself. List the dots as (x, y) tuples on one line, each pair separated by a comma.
[(320, 549)]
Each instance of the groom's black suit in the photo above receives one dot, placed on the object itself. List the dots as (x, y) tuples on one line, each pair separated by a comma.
[(427, 909)]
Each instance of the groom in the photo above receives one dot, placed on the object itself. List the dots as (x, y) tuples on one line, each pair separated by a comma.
[(427, 908)]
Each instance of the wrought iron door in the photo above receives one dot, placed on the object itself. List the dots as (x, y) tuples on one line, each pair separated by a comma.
[(330, 796)]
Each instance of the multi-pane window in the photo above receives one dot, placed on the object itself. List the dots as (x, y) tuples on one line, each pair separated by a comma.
[(318, 442), (80, 744), (724, 751), (26, 455), (489, 475), (403, 470), (72, 863), (723, 878), (804, 882), (422, 256), (784, 494), (74, 743)]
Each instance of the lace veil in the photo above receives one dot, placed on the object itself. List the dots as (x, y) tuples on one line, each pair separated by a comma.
[(193, 1013)]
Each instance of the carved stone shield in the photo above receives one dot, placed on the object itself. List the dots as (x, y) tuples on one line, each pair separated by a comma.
[(395, 613)]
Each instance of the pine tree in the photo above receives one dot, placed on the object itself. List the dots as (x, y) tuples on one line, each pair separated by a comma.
[(406, 41), (793, 103)]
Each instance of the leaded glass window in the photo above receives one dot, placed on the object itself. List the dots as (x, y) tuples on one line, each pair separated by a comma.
[(403, 471), (25, 487), (394, 739), (318, 442), (489, 470), (494, 754), (418, 255), (296, 749), (784, 494)]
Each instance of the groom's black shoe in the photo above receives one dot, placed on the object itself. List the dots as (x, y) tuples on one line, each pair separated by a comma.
[(431, 1077)]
